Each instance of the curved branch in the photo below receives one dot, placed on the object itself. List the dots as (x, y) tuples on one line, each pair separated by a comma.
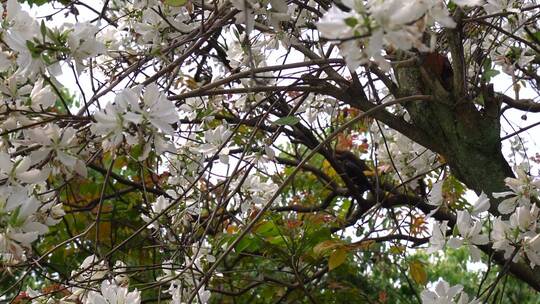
[(394, 237), (319, 173), (521, 104), (127, 182)]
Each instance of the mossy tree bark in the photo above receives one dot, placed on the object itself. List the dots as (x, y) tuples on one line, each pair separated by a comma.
[(467, 137)]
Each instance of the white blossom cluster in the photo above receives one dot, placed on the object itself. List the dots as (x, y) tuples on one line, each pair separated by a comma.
[(114, 122), (443, 293), (27, 209), (181, 282), (515, 232), (102, 290), (384, 26), (377, 27)]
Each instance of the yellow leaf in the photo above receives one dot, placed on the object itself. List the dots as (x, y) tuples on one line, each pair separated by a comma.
[(120, 162), (363, 245), (175, 2), (368, 173), (417, 272), (441, 159), (328, 169), (337, 258), (399, 249), (231, 229), (325, 246), (104, 235), (191, 83)]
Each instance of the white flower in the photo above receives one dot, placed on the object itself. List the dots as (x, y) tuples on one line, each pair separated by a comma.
[(499, 236), (440, 14), (469, 229), (496, 6), (10, 250), (508, 205), (14, 243), (438, 236), (216, 139), (522, 189), (178, 297), (113, 294), (332, 25), (522, 184), (50, 214), (23, 221), (204, 296), (353, 57), (22, 28), (109, 125), (42, 97), (257, 190), (525, 218), (531, 248), (159, 110), (435, 197), (112, 121), (18, 170), (120, 270), (92, 269), (14, 87), (443, 294), (481, 205), (56, 140), (83, 43), (471, 234), (524, 60), (391, 23), (161, 204), (468, 2), (5, 62)]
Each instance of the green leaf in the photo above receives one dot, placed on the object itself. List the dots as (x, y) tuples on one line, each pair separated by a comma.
[(34, 51), (535, 37), (43, 30), (319, 235), (136, 151), (287, 121), (276, 240), (344, 209), (37, 2), (14, 220), (337, 258), (266, 229), (489, 71), (175, 2), (351, 21), (242, 245), (247, 243), (490, 74), (455, 231), (479, 100)]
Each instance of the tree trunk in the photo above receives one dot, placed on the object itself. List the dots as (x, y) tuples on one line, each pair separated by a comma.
[(468, 139)]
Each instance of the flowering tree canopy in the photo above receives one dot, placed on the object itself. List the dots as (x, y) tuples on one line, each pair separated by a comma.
[(269, 151)]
